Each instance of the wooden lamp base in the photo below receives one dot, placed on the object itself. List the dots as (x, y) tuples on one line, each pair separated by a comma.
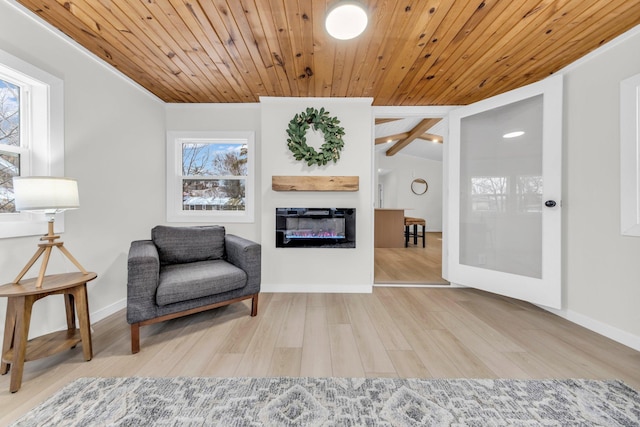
[(45, 248)]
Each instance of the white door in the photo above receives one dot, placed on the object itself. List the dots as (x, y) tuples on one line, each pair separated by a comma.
[(504, 188)]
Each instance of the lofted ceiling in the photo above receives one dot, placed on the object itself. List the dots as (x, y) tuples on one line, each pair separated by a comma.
[(406, 135), (420, 52)]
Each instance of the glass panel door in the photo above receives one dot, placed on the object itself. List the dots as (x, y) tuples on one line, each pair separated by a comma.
[(504, 182), (501, 189)]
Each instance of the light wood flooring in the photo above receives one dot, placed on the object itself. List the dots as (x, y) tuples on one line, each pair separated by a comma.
[(395, 331), (411, 265)]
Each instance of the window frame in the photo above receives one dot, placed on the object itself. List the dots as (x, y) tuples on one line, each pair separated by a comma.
[(175, 213), (43, 128), (23, 149), (629, 156)]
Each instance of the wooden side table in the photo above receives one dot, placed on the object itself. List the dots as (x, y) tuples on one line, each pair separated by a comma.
[(15, 348)]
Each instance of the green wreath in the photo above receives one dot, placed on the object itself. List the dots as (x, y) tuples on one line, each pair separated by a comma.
[(321, 121)]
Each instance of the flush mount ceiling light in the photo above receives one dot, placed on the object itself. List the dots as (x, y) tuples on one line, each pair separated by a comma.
[(513, 134), (346, 20)]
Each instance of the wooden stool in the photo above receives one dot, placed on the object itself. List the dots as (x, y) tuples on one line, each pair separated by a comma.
[(415, 222)]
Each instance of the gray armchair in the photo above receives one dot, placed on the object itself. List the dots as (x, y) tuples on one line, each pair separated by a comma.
[(186, 270)]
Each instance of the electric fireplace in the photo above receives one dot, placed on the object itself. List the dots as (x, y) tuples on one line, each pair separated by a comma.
[(315, 227)]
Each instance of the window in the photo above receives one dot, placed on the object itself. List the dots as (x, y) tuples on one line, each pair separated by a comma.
[(11, 149), (31, 138), (210, 176)]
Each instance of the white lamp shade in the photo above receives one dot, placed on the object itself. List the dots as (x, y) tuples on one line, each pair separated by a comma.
[(346, 21), (45, 193)]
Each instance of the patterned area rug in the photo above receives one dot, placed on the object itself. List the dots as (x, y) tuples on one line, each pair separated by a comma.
[(337, 402)]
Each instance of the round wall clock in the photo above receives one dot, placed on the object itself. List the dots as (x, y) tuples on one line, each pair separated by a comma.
[(419, 186)]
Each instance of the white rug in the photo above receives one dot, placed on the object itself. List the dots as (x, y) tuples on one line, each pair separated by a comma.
[(337, 402)]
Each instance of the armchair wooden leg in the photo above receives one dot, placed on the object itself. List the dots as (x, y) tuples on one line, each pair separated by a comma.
[(135, 338), (254, 305)]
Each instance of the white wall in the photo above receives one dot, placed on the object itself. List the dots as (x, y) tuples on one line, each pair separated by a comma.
[(114, 147), (318, 269), (397, 187), (223, 117), (601, 267)]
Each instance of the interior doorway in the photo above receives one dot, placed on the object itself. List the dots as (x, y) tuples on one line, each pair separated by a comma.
[(412, 265), (408, 149)]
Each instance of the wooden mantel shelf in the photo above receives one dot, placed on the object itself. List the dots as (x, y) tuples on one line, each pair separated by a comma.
[(315, 183)]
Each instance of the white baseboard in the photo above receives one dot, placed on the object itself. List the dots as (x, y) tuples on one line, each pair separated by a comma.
[(317, 288), (596, 326), (414, 285), (599, 327), (94, 316), (107, 311)]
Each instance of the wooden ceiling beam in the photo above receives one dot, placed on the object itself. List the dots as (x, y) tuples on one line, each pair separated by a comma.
[(432, 137), (416, 132), (426, 136), (380, 121), (397, 136)]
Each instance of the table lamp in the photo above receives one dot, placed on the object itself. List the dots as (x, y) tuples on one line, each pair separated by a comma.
[(49, 195)]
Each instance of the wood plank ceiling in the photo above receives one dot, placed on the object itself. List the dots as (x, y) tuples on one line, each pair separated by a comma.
[(420, 52)]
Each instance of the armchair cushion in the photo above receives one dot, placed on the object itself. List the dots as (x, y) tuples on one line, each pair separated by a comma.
[(177, 245), (182, 282)]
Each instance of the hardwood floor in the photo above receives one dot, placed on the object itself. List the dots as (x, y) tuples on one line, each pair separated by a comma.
[(395, 332), (412, 265)]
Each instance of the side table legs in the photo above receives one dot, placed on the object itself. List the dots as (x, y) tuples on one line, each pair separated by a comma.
[(82, 306), (7, 343), (15, 338), (16, 332)]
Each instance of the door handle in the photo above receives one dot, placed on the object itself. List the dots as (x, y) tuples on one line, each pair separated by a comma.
[(550, 203)]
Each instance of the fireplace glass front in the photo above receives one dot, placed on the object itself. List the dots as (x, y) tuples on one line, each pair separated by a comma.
[(315, 227)]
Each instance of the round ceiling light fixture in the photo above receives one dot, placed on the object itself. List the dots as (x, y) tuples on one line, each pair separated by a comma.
[(346, 20)]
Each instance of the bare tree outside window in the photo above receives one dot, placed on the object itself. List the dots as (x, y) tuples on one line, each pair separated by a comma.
[(9, 114), (9, 137), (214, 176), (195, 158)]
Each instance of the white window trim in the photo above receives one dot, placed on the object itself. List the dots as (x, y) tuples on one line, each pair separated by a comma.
[(174, 176), (46, 141)]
